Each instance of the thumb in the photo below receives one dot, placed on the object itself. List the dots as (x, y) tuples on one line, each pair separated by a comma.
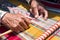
[(35, 12)]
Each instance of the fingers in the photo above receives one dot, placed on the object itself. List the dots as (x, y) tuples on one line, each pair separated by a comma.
[(24, 25), (16, 23), (43, 12), (20, 28), (46, 14), (41, 15), (27, 20), (14, 29), (17, 29), (34, 11), (15, 26), (39, 12)]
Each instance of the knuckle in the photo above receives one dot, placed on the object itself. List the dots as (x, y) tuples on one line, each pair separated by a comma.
[(14, 26), (20, 20)]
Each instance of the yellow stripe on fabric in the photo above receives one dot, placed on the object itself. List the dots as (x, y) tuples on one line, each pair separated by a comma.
[(19, 4), (53, 15), (55, 38), (56, 18), (35, 32)]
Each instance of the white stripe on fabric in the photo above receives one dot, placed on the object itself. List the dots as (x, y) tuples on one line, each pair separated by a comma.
[(25, 36)]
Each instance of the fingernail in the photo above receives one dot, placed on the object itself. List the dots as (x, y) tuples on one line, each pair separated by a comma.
[(36, 16)]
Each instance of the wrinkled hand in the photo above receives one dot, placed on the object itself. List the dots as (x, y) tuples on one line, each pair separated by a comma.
[(16, 22), (37, 10)]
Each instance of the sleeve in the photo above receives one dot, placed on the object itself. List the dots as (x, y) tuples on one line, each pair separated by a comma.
[(2, 13), (28, 1)]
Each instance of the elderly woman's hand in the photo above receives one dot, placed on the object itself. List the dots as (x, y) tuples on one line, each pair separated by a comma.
[(37, 10), (15, 21)]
